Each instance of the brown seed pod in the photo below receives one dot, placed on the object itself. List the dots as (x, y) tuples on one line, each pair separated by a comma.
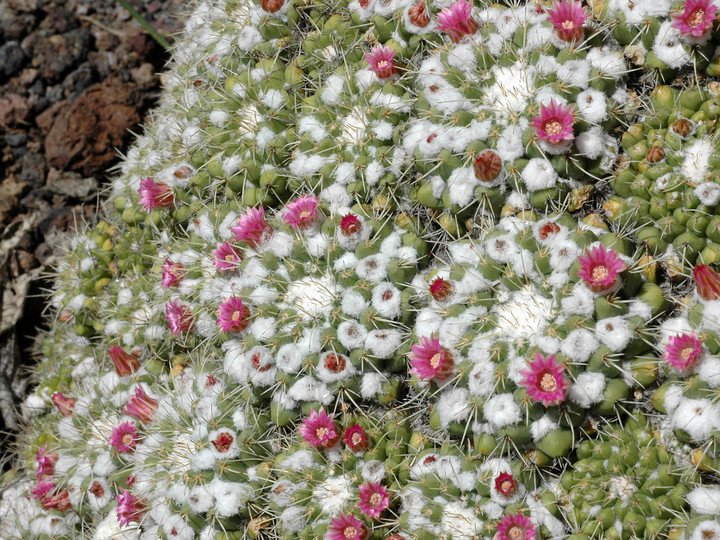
[(655, 154), (488, 166), (682, 126)]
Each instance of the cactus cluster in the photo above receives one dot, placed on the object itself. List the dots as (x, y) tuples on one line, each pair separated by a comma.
[(397, 269)]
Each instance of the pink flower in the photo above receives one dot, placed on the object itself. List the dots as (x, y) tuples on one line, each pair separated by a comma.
[(43, 489), (64, 405), (505, 484), (707, 281), (350, 225), (130, 508), (346, 528), (125, 364), (319, 430), (252, 228), (544, 380), (172, 274), (431, 361), (46, 463), (381, 62), (599, 268), (155, 194), (516, 527), (457, 20), (555, 123), (696, 19), (141, 406), (356, 439), (178, 316), (233, 316), (226, 257), (441, 289), (373, 499), (682, 352), (302, 212), (124, 437), (568, 18)]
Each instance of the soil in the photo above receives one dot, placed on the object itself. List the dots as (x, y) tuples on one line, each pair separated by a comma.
[(76, 76)]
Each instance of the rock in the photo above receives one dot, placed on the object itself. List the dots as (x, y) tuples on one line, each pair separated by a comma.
[(80, 79), (14, 110), (12, 59), (59, 21), (85, 134), (71, 184), (33, 169), (45, 119), (62, 52), (15, 139), (24, 5), (10, 194)]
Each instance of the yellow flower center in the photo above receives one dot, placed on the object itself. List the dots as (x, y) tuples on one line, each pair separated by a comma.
[(356, 438), (686, 353), (382, 63), (304, 214), (236, 316), (229, 258), (375, 499), (548, 382), (696, 18), (568, 25), (435, 360), (600, 273), (350, 532), (127, 439), (516, 533), (322, 432), (553, 127)]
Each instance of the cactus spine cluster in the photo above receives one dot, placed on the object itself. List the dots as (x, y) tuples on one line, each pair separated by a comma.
[(393, 269)]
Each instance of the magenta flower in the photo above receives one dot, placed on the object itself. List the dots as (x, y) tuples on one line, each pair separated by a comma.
[(599, 268), (696, 19), (373, 499), (555, 123), (178, 316), (350, 225), (302, 212), (141, 406), (356, 439), (707, 281), (682, 352), (441, 289), (457, 20), (226, 257), (124, 437), (64, 405), (346, 528), (319, 430), (130, 508), (155, 194), (233, 315), (46, 463), (544, 380), (125, 363), (381, 62), (515, 527), (223, 442), (568, 18), (505, 484), (431, 361), (43, 489), (252, 228), (172, 274)]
